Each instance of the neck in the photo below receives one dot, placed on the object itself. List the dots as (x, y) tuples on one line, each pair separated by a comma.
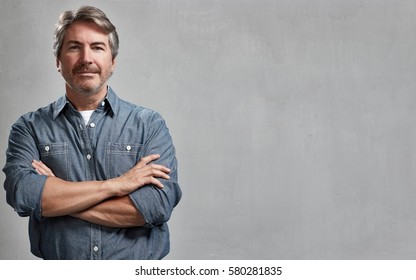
[(84, 102)]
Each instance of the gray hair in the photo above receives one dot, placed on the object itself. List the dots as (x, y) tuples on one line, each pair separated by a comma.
[(88, 14)]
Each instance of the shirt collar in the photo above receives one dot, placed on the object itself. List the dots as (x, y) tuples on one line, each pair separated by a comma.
[(111, 100)]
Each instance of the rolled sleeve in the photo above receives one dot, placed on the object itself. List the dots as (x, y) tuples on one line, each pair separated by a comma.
[(156, 205), (25, 195), (23, 185)]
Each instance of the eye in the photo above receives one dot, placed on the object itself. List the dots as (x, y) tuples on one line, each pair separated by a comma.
[(98, 48)]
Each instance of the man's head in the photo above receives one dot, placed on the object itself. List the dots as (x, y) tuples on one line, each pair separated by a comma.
[(85, 46), (86, 14)]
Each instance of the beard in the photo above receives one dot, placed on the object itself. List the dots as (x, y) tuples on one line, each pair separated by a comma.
[(87, 85)]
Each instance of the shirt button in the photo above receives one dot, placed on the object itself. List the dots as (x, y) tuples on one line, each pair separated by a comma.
[(47, 148), (103, 103), (92, 124), (128, 148), (95, 248), (88, 157)]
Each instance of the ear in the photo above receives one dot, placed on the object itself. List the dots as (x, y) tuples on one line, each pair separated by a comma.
[(58, 65), (113, 65)]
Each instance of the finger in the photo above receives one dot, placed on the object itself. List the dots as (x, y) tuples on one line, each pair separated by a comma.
[(157, 183), (150, 180), (154, 171), (159, 167), (160, 174), (37, 166), (145, 160), (42, 169)]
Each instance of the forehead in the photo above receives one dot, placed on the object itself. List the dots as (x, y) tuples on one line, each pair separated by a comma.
[(85, 32)]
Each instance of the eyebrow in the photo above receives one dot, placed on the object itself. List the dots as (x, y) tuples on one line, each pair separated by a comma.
[(75, 42)]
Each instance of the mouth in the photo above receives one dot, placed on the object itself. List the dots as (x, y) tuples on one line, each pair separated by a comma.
[(86, 73)]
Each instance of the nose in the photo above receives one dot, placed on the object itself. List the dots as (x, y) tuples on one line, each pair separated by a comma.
[(86, 56)]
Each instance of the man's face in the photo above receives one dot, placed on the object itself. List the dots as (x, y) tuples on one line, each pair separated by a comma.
[(85, 60)]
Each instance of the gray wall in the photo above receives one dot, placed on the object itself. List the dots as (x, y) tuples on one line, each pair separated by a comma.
[(293, 120)]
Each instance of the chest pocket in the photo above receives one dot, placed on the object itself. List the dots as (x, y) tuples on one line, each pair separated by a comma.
[(55, 156), (121, 157)]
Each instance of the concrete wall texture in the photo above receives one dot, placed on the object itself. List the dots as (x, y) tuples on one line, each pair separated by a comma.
[(293, 120)]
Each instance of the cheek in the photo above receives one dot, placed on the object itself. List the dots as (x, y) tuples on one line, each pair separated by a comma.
[(65, 70), (106, 66), (66, 65)]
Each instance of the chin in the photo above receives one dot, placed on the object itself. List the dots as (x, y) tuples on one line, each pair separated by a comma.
[(88, 88), (89, 91)]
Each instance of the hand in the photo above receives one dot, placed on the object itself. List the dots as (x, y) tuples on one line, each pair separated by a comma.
[(42, 169), (143, 173)]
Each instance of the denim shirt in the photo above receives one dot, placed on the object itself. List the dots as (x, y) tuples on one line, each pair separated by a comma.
[(117, 136)]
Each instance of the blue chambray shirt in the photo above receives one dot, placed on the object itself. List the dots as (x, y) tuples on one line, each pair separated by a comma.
[(117, 136)]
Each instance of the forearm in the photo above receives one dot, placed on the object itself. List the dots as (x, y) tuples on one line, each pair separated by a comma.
[(115, 212), (61, 197)]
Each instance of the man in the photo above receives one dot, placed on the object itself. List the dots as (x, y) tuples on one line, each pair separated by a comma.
[(96, 175)]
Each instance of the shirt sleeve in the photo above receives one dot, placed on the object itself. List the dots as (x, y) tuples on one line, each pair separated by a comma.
[(23, 185), (156, 205)]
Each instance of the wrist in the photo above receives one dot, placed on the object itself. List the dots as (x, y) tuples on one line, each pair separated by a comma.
[(110, 187)]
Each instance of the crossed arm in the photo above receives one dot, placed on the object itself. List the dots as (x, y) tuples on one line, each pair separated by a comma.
[(101, 202)]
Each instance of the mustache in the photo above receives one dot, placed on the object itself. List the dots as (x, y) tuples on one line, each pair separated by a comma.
[(86, 68)]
